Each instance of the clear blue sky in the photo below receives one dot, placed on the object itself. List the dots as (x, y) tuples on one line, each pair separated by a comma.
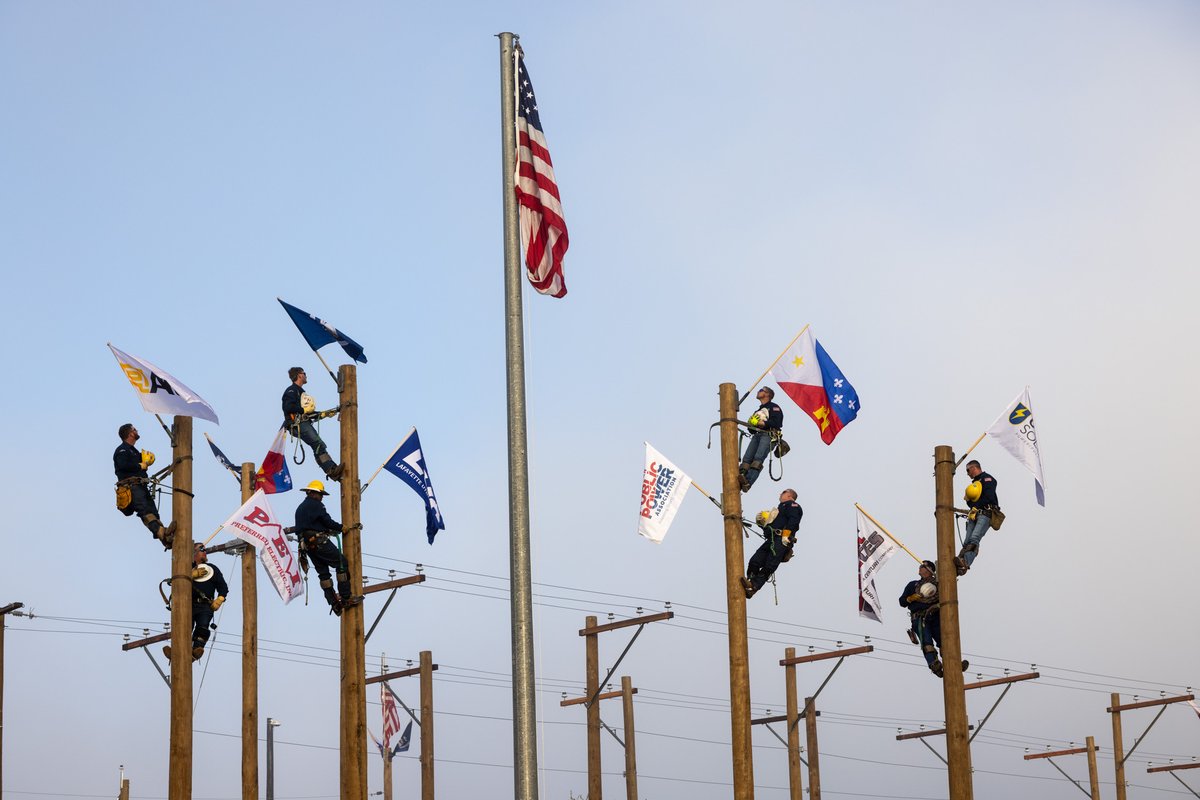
[(962, 199)]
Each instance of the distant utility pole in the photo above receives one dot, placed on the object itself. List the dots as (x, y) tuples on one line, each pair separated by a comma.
[(735, 597), (1090, 749), (249, 654), (1119, 754), (354, 666), (182, 552), (958, 745), (5, 611), (124, 790), (425, 670)]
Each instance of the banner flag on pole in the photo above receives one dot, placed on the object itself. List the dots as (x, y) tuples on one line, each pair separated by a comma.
[(256, 524), (543, 229), (808, 375), (318, 333), (273, 476), (391, 715), (222, 458), (405, 739), (1015, 432), (408, 464), (161, 393), (874, 549), (664, 486)]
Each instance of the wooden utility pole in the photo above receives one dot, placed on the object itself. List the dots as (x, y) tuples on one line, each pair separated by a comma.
[(735, 596), (124, 793), (795, 789), (630, 748), (810, 734), (426, 667), (958, 745), (1118, 747), (354, 666), (592, 647), (180, 770), (249, 654), (1050, 755), (1119, 754), (1093, 776), (3, 613), (387, 776)]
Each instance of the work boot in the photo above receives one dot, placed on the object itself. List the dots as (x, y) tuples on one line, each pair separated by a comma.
[(743, 482), (966, 664), (349, 601), (936, 668), (961, 566), (748, 586), (335, 474), (166, 535), (197, 653)]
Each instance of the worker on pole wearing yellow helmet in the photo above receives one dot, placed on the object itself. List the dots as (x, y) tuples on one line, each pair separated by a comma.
[(313, 528), (767, 424), (297, 418), (779, 533), (133, 484), (981, 499)]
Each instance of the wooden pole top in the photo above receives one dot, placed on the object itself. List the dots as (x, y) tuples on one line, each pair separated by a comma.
[(578, 701), (1056, 753), (1025, 676), (625, 623), (404, 673), (396, 584), (1173, 767), (1150, 703), (11, 607), (849, 651)]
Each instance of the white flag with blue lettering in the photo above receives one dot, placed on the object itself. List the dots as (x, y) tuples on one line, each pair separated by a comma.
[(1015, 432), (663, 488)]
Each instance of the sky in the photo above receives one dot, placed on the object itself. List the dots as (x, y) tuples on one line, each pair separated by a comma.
[(961, 200)]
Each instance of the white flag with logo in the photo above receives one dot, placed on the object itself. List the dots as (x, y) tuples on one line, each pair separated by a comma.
[(256, 524), (161, 393), (1014, 430), (874, 549), (663, 488)]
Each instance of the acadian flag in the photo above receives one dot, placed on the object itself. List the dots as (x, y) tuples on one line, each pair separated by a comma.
[(273, 476), (1015, 432), (808, 375)]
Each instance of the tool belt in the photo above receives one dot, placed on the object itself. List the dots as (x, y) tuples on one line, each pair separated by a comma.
[(125, 493), (995, 516), (781, 447), (317, 538)]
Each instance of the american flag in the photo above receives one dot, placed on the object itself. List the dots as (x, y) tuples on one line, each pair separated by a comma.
[(543, 230), (391, 717)]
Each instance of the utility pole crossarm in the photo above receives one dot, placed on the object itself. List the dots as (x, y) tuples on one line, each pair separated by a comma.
[(625, 623), (578, 701), (1150, 703), (922, 734), (1056, 753), (404, 673), (851, 651), (1173, 767), (396, 584), (162, 637), (1026, 676)]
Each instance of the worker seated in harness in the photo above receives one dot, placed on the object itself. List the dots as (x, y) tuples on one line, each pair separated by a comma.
[(209, 591), (920, 597), (313, 528), (779, 533), (767, 424), (133, 485), (299, 413)]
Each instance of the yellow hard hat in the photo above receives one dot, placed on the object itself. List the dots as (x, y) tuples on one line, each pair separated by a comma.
[(308, 403), (316, 486), (974, 491)]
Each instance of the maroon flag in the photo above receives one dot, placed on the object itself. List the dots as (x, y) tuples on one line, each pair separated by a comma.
[(391, 717), (543, 230)]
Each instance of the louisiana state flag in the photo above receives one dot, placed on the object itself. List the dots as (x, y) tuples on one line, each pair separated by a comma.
[(273, 476), (808, 375)]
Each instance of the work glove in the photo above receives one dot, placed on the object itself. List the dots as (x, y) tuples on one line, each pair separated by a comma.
[(289, 530), (196, 573), (915, 597), (215, 604), (972, 514)]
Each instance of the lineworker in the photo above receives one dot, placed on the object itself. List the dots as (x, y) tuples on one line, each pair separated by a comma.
[(313, 528), (981, 499), (767, 423), (133, 485), (209, 591), (299, 409), (779, 527), (920, 597)]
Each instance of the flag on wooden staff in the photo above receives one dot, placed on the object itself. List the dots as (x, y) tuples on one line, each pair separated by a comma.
[(874, 549), (408, 464), (543, 229), (160, 393), (391, 715), (318, 333), (664, 486), (273, 476), (222, 459), (256, 524), (1015, 432), (808, 375)]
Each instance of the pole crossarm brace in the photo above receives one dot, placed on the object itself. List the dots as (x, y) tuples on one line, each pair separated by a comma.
[(162, 637), (1149, 703), (576, 701), (1056, 753), (923, 734), (851, 651), (1078, 785), (1183, 784), (404, 673), (396, 584), (641, 623), (1173, 767), (1027, 676), (775, 733)]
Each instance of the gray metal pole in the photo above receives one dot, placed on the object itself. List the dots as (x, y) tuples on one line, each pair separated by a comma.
[(271, 725), (524, 708)]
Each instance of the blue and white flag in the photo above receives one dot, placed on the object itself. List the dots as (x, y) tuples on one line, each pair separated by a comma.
[(318, 333), (224, 459), (405, 738), (408, 464)]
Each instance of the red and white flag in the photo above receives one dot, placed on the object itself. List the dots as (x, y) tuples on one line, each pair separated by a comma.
[(543, 230), (391, 716), (256, 524)]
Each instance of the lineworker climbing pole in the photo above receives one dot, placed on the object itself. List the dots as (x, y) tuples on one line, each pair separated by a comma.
[(299, 413), (767, 423), (133, 485), (313, 528), (209, 591), (779, 527), (984, 514), (920, 597)]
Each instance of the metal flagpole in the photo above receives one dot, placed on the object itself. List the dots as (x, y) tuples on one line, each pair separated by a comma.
[(521, 593)]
